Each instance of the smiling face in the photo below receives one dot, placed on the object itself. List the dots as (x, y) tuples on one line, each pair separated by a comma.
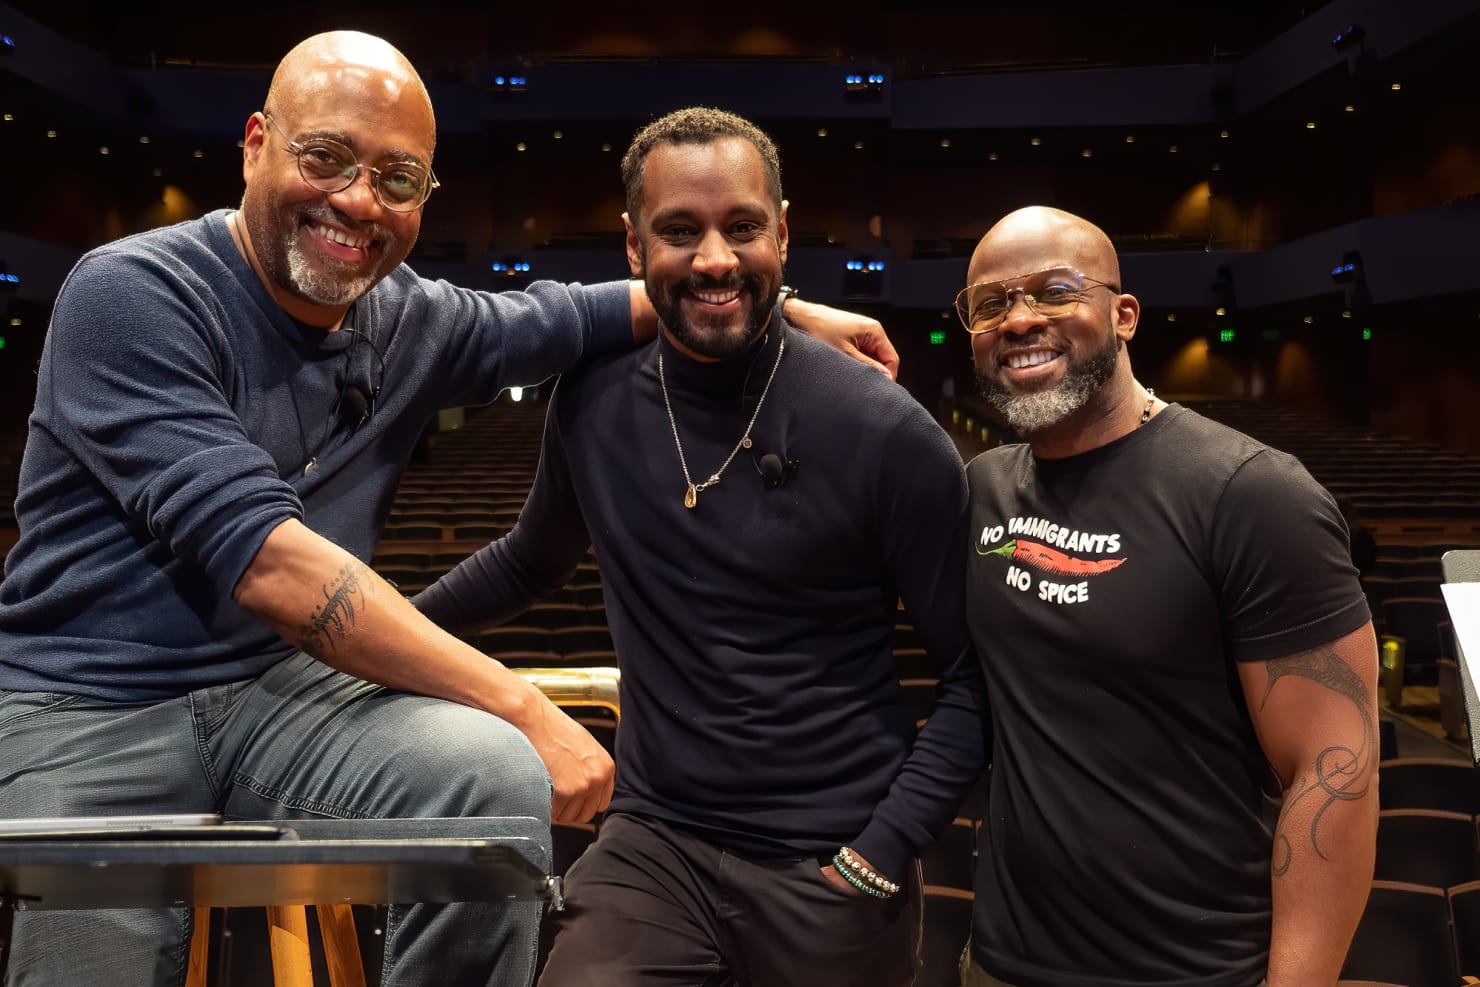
[(319, 251), (1042, 373), (709, 244)]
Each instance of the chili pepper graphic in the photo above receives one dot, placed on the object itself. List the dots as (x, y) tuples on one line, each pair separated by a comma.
[(1051, 559)]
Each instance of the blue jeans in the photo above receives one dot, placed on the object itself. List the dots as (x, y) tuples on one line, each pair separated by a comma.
[(299, 741)]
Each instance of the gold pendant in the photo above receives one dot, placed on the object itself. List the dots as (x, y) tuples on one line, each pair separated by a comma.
[(690, 497)]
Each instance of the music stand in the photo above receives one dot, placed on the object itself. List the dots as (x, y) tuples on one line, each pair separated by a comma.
[(1461, 590), (294, 862)]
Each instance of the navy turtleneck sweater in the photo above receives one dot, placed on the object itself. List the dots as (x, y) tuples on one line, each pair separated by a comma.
[(760, 704)]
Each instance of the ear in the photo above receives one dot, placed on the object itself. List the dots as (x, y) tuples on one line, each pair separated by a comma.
[(635, 254), (781, 233), (252, 142), (1125, 315)]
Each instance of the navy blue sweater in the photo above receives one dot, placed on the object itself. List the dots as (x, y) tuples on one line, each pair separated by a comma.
[(760, 703), (176, 408)]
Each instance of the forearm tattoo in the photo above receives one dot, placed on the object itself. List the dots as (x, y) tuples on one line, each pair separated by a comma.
[(332, 620), (1339, 773)]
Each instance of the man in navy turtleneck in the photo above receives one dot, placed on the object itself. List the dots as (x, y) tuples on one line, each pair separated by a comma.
[(770, 505)]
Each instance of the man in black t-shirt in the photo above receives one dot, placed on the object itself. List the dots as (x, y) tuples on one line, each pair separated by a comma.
[(1180, 661)]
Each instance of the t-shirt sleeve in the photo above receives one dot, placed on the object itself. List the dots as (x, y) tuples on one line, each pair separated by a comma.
[(923, 517), (1284, 570), (134, 388)]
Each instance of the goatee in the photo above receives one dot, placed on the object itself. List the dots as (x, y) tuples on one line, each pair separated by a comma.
[(1034, 411)]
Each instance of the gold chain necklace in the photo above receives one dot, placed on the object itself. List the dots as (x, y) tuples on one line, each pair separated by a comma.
[(692, 489)]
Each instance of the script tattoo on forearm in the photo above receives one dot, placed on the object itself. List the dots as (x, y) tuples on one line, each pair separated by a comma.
[(331, 621), (1339, 774)]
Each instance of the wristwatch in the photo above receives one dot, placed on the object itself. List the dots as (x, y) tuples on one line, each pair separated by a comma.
[(787, 291)]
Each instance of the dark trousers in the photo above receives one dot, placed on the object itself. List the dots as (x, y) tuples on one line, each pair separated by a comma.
[(650, 905)]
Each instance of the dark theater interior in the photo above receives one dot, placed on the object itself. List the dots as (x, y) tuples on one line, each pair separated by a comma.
[(1292, 186)]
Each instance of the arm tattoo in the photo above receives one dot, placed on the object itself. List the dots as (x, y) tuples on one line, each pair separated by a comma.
[(1340, 774), (331, 621)]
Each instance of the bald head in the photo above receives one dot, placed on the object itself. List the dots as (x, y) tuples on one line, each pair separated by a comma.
[(330, 65), (1036, 238)]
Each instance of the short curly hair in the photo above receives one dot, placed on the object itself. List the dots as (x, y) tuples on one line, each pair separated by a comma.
[(696, 125)]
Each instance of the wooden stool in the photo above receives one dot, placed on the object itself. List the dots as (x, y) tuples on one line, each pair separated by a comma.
[(287, 930), (288, 924)]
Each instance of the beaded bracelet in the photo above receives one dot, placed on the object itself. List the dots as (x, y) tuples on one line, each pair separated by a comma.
[(861, 876), (858, 882)]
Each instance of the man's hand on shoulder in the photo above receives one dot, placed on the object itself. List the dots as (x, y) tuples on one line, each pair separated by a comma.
[(858, 336)]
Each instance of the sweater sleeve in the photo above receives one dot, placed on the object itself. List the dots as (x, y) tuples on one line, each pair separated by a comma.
[(133, 386), (519, 338), (922, 513), (533, 560)]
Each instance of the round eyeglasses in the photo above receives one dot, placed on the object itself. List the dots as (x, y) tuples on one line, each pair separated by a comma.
[(330, 166), (1051, 294)]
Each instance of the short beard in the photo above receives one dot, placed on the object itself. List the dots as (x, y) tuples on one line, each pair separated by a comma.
[(716, 342), (1033, 412), (288, 268)]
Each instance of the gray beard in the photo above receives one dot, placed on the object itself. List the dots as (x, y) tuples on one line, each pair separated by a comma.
[(321, 287), (1039, 410)]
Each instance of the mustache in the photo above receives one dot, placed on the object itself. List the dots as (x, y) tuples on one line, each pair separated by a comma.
[(325, 213), (736, 282)]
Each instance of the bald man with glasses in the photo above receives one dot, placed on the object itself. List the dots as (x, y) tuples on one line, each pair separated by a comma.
[(1180, 660), (224, 408)]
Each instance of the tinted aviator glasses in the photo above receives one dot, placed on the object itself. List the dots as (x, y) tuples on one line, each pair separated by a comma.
[(330, 166), (1051, 294)]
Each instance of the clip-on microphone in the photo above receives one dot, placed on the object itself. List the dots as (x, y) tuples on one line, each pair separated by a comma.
[(775, 471)]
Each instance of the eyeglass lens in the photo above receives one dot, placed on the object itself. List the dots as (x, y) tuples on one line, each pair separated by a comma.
[(1051, 294), (331, 167)]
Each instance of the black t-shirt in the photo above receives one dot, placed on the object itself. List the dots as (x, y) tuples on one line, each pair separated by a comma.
[(1129, 830)]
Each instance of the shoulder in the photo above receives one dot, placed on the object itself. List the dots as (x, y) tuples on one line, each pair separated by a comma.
[(998, 461), (1185, 433), (837, 386), (182, 250), (603, 378), (147, 284), (1228, 456)]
